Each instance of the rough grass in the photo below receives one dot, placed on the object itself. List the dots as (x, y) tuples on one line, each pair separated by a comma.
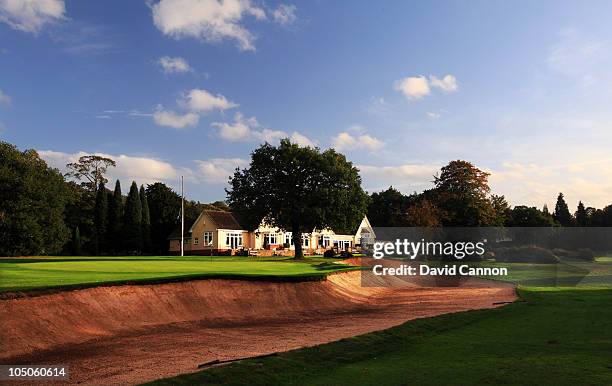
[(38, 273)]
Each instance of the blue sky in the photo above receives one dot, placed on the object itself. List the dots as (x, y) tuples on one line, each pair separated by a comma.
[(191, 87)]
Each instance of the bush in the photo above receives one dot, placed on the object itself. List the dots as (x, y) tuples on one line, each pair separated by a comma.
[(329, 253), (526, 254), (346, 254), (580, 254)]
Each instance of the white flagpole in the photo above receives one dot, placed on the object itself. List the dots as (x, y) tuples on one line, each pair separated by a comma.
[(182, 218)]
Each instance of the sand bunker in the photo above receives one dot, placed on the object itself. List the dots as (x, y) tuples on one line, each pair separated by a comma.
[(135, 333)]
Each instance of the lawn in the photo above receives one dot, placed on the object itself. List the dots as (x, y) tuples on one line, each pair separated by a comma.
[(18, 274), (553, 336)]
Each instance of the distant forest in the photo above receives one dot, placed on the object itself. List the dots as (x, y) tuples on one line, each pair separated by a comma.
[(45, 212)]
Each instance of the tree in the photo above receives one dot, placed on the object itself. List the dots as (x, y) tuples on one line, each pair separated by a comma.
[(562, 213), (132, 221), (298, 189), (501, 210), (76, 242), (146, 221), (523, 216), (388, 208), (164, 206), (33, 198), (100, 219), (582, 218), (422, 214), (91, 168), (115, 220), (460, 192)]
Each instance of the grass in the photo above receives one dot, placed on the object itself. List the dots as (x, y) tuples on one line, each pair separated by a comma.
[(554, 336), (38, 273)]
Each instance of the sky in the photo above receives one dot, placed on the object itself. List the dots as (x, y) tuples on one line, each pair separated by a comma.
[(167, 88)]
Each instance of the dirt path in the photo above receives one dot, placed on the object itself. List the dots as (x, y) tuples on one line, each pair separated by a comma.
[(133, 334)]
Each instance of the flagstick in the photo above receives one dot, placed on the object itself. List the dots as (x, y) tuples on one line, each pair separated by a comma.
[(182, 218)]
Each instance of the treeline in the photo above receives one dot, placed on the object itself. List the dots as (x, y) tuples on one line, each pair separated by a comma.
[(43, 212), (461, 197)]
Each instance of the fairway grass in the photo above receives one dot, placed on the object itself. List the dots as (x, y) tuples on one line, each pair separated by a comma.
[(555, 337), (23, 274)]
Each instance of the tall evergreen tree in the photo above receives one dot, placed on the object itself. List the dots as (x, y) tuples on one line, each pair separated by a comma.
[(115, 220), (164, 206), (132, 221), (562, 213), (76, 242), (146, 221), (100, 219), (582, 218)]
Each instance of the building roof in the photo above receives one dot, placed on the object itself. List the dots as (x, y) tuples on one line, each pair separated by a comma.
[(223, 219)]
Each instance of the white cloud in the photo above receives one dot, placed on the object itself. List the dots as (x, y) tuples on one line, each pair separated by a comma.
[(301, 140), (347, 141), (4, 99), (417, 87), (209, 20), (31, 15), (433, 115), (284, 14), (204, 101), (413, 87), (249, 129), (448, 83), (143, 170), (173, 65), (218, 170), (406, 177), (172, 119), (240, 130)]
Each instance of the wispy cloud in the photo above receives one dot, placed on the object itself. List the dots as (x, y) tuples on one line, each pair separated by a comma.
[(417, 87), (173, 65)]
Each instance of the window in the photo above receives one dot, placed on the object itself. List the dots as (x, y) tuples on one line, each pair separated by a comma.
[(289, 238), (325, 241), (196, 241), (234, 240), (272, 239), (208, 238), (305, 240), (342, 244)]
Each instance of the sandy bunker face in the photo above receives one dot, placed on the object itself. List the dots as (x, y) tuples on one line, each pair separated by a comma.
[(131, 334)]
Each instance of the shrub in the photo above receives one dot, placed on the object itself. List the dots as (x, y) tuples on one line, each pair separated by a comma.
[(329, 253), (346, 254), (526, 254), (580, 254)]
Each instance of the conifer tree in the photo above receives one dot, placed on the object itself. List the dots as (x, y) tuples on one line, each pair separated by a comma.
[(146, 221), (100, 219), (581, 215), (562, 213), (132, 221), (115, 220), (76, 242)]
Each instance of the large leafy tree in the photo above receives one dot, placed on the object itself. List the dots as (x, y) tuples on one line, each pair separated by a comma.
[(298, 189), (90, 169), (132, 221), (388, 208), (32, 201), (562, 213), (461, 193), (164, 206)]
